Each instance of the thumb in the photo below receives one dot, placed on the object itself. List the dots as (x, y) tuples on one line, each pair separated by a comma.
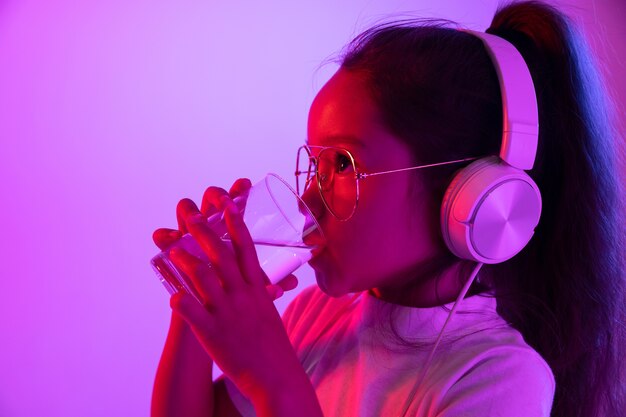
[(288, 283), (274, 291)]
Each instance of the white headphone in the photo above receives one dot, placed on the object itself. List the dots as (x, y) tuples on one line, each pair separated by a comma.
[(491, 207)]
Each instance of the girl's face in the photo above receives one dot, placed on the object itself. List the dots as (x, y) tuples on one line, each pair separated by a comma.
[(392, 231)]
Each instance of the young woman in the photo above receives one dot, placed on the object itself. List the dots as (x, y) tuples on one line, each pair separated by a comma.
[(540, 334)]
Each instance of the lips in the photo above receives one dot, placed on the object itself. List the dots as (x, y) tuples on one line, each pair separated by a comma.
[(315, 252), (316, 241), (314, 238)]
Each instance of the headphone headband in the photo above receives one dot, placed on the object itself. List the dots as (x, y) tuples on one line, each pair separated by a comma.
[(491, 207), (520, 124)]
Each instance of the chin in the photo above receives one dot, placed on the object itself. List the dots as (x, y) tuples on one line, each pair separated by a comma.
[(328, 285)]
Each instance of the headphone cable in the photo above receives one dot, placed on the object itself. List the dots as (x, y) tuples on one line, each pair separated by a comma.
[(417, 384)]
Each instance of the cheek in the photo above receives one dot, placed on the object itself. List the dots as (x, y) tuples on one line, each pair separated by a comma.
[(378, 240), (385, 212), (370, 239), (392, 229), (345, 238)]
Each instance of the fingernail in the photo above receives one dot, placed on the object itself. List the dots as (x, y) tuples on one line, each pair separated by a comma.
[(232, 208), (223, 202), (175, 234), (174, 252)]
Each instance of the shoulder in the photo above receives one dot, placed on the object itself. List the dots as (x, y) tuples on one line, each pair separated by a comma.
[(499, 375)]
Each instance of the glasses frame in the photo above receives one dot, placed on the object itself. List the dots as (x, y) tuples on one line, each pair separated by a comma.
[(358, 175)]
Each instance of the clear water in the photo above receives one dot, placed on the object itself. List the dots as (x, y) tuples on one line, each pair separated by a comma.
[(276, 260)]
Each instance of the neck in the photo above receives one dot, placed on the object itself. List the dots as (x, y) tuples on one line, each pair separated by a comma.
[(433, 285)]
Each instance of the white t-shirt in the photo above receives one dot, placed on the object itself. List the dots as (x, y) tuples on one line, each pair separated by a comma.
[(358, 367)]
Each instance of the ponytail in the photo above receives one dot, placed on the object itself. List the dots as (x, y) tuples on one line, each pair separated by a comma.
[(571, 276)]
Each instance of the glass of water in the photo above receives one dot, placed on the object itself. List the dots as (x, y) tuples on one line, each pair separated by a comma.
[(285, 233)]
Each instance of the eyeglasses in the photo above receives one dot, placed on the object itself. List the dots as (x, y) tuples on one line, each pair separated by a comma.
[(337, 177)]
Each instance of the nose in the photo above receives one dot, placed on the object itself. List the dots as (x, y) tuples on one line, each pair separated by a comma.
[(312, 199), (311, 204)]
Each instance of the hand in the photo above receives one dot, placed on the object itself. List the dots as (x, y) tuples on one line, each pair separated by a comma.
[(211, 204), (237, 323)]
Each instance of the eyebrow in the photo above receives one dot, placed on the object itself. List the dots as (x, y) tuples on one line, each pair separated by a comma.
[(333, 140)]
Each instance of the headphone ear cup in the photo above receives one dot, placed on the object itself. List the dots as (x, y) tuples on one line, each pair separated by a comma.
[(489, 211)]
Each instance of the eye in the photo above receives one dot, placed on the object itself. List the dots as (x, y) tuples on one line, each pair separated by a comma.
[(343, 163)]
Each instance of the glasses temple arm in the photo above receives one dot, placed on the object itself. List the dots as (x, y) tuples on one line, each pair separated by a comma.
[(371, 174)]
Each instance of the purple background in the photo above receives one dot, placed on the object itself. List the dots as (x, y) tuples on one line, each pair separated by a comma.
[(110, 112)]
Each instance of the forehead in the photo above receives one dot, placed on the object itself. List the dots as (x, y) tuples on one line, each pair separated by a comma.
[(343, 114), (340, 141)]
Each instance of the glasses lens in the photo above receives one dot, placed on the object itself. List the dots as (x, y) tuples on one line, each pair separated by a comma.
[(336, 178), (305, 170)]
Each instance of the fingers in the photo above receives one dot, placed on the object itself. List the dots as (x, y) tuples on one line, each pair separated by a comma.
[(288, 283), (211, 202), (184, 208), (239, 192), (191, 311), (203, 277), (164, 238), (243, 246), (219, 253), (277, 290), (240, 187), (212, 198), (274, 291)]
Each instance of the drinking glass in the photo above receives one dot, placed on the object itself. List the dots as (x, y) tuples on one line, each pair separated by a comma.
[(284, 231)]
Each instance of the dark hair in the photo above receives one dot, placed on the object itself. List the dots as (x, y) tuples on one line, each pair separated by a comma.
[(438, 91)]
